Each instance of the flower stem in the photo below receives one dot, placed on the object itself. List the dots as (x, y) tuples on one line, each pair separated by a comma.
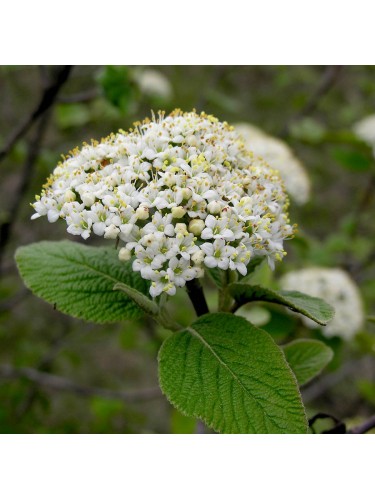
[(196, 295), (225, 300)]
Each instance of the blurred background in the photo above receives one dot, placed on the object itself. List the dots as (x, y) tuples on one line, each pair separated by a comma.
[(61, 375)]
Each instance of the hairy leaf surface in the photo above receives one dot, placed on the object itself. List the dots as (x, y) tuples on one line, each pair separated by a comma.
[(79, 280), (307, 358), (233, 376)]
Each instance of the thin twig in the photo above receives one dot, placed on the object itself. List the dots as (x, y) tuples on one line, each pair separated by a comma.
[(58, 383), (45, 365), (79, 97), (323, 384), (26, 175), (48, 98), (364, 427), (327, 81)]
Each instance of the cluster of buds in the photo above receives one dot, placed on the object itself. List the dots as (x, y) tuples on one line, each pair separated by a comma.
[(179, 192)]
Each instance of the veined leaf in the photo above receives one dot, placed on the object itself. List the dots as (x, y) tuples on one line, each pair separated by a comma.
[(311, 307), (307, 358), (231, 375), (79, 280)]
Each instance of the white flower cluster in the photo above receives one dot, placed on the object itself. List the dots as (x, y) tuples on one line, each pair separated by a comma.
[(154, 84), (337, 288), (180, 192), (279, 155), (365, 130)]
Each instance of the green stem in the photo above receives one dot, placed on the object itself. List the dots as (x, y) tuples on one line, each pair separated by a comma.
[(225, 300)]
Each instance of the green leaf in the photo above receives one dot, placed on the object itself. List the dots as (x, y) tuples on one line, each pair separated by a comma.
[(353, 160), (311, 307), (72, 115), (148, 305), (79, 280), (307, 358), (280, 325), (231, 375), (118, 86)]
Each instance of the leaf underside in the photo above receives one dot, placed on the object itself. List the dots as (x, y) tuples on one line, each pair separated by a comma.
[(79, 280), (231, 375)]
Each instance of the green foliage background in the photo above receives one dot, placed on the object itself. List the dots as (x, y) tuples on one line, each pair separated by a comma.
[(337, 228)]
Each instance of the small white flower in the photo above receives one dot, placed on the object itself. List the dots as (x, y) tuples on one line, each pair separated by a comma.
[(217, 228), (179, 271), (217, 254)]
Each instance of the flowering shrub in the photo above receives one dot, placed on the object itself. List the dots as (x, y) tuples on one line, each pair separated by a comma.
[(183, 197)]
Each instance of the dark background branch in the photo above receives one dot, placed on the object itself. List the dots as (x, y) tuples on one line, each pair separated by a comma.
[(48, 98), (58, 383), (42, 115)]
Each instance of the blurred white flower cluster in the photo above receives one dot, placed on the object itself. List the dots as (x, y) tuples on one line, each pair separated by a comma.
[(337, 288), (179, 192), (154, 84), (279, 155), (365, 130)]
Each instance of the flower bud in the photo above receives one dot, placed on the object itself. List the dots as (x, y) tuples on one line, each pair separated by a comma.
[(198, 257), (88, 199), (214, 207), (186, 193), (111, 232), (69, 195), (142, 212), (196, 226), (178, 212), (180, 227), (200, 272), (169, 179), (124, 254), (246, 200), (191, 140)]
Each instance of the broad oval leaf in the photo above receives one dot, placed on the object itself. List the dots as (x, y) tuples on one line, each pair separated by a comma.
[(307, 358), (312, 307), (79, 280), (231, 375)]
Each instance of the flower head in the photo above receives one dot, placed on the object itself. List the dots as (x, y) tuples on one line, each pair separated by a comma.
[(279, 155), (179, 192), (337, 288)]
